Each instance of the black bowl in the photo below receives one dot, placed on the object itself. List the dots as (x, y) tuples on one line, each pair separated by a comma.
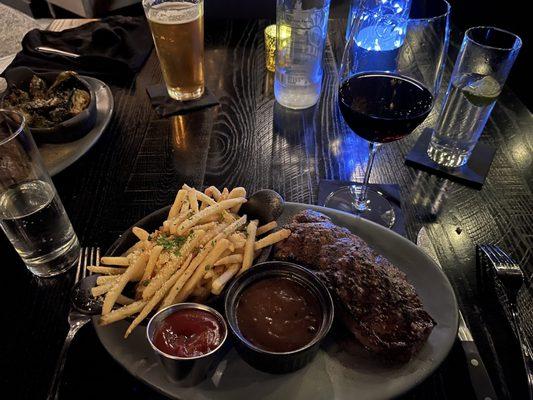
[(268, 361), (66, 131)]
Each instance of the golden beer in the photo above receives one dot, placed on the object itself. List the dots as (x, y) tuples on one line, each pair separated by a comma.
[(178, 31)]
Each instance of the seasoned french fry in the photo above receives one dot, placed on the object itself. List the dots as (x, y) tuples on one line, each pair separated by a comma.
[(123, 300), (137, 246), (248, 257), (211, 234), (98, 269), (213, 192), (176, 206), (104, 279), (231, 259), (223, 195), (234, 226), (140, 233), (208, 275), (272, 238), (120, 261), (135, 269), (154, 255), (211, 218), (266, 228), (183, 215), (122, 312), (166, 226), (224, 230), (161, 292), (217, 208), (237, 192), (204, 227), (193, 200), (219, 248), (165, 273), (237, 240), (102, 289), (185, 207), (206, 200), (219, 283)]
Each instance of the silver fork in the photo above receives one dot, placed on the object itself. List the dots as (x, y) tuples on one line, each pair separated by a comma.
[(512, 278), (88, 256)]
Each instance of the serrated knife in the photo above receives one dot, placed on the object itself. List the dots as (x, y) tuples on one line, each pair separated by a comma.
[(478, 373)]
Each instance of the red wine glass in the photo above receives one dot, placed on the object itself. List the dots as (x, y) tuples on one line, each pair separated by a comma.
[(386, 91)]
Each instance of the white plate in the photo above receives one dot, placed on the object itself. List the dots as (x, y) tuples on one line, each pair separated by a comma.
[(334, 373)]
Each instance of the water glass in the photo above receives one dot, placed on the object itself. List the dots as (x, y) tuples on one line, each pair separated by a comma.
[(31, 213), (485, 59), (301, 36)]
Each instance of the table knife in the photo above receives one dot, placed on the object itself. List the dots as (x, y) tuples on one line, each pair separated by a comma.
[(478, 373)]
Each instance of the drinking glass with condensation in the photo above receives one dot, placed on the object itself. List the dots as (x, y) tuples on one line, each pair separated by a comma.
[(178, 30), (485, 59), (31, 213)]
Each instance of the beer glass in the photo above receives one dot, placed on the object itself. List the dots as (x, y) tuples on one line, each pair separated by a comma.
[(178, 30), (31, 213)]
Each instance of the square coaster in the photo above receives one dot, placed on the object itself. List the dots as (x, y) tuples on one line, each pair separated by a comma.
[(472, 174), (166, 106), (390, 191)]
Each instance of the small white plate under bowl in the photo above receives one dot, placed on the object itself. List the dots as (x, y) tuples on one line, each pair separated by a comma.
[(334, 373)]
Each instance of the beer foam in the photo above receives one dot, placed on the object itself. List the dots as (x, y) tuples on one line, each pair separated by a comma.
[(174, 13)]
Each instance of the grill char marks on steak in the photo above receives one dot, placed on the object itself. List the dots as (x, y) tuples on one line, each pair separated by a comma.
[(372, 297)]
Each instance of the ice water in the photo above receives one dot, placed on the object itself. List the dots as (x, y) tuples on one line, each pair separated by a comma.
[(300, 48), (37, 225), (469, 102)]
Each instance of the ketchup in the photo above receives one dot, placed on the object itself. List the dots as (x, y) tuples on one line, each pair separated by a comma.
[(188, 333)]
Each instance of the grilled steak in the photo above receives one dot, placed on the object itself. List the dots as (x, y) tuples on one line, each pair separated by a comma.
[(372, 297)]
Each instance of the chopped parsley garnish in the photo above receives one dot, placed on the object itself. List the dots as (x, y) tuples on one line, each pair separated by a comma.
[(146, 282), (171, 243)]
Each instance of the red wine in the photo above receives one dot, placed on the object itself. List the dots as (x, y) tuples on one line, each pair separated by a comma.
[(382, 107)]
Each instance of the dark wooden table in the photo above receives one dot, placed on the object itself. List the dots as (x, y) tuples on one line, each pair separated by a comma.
[(142, 160)]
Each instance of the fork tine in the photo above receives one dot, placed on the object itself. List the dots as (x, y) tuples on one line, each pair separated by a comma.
[(97, 261), (504, 256), (86, 261), (78, 268), (489, 251), (89, 259)]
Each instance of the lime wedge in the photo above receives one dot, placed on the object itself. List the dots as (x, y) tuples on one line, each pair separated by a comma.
[(482, 91)]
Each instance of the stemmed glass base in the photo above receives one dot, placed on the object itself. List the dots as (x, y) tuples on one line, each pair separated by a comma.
[(375, 207)]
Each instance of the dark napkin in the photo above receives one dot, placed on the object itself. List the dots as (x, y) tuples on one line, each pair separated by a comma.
[(166, 106), (390, 191), (112, 49)]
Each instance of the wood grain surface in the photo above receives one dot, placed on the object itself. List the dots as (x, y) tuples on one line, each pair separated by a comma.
[(249, 140)]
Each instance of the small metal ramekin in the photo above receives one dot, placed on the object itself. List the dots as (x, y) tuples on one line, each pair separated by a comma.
[(187, 371)]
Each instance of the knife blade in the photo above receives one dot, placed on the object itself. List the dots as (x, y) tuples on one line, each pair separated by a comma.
[(476, 368), (51, 50)]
